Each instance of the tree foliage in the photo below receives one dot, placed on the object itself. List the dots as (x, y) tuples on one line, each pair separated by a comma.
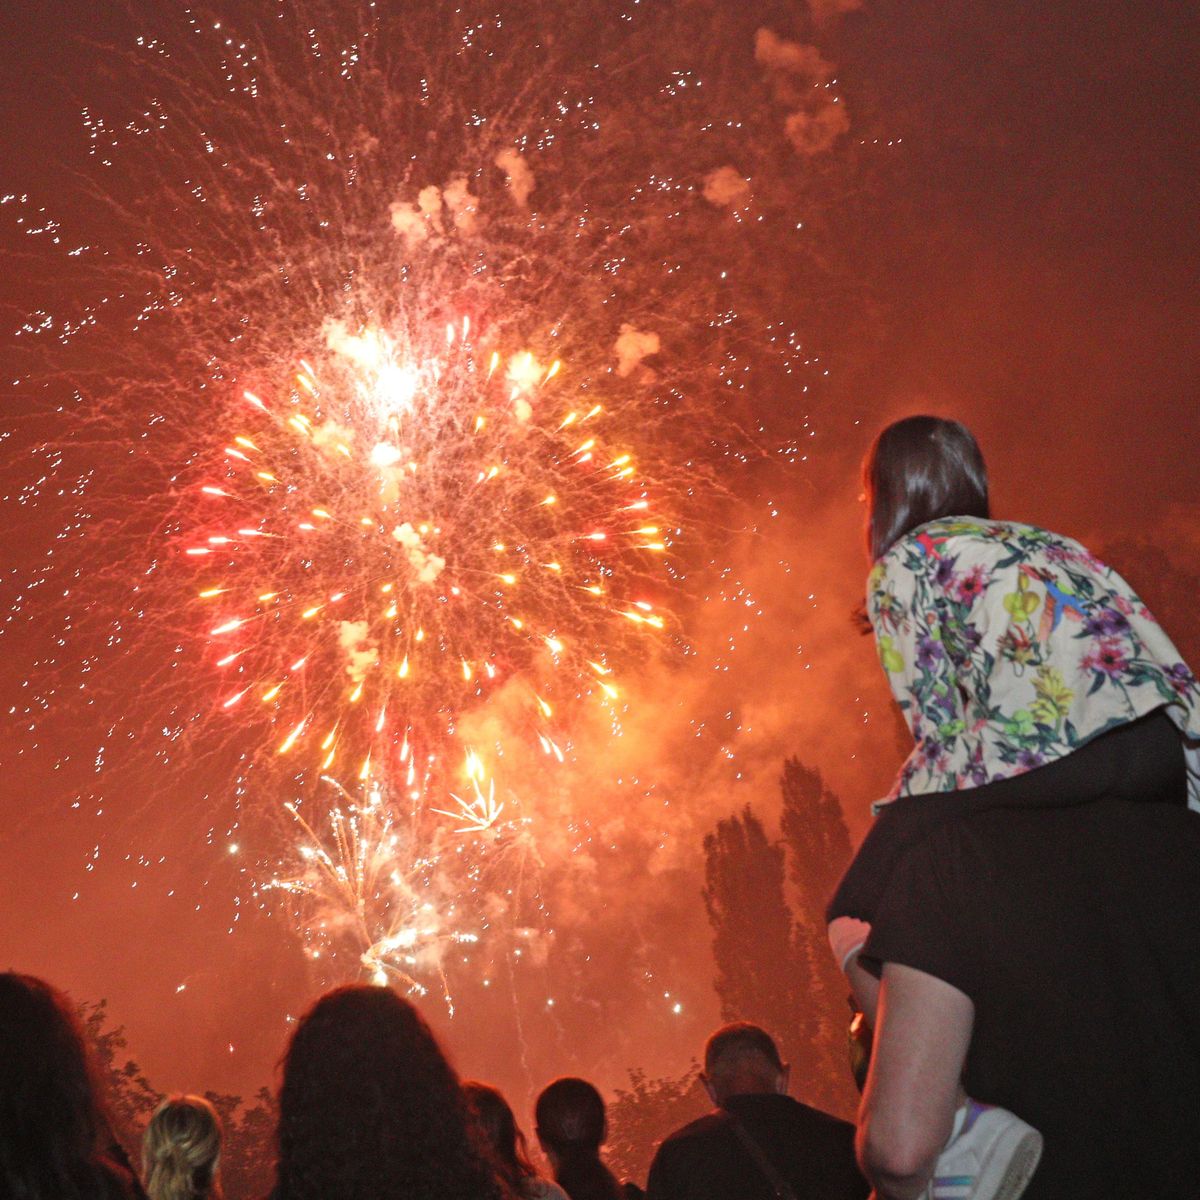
[(128, 1096), (646, 1112), (773, 965), (248, 1151), (762, 975), (818, 845), (247, 1154)]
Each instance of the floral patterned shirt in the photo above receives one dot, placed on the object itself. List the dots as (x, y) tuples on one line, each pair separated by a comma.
[(1007, 647)]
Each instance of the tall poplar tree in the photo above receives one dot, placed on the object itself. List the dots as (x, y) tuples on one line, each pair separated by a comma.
[(818, 843), (763, 975)]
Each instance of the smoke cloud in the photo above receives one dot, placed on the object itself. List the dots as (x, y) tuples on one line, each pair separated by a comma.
[(631, 346), (426, 565), (462, 206), (776, 54), (726, 187), (814, 132), (361, 652), (418, 222), (365, 349), (801, 78), (330, 435), (520, 178)]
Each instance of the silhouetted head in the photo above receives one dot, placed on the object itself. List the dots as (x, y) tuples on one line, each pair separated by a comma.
[(570, 1117), (370, 1106), (921, 469), (742, 1059), (571, 1127), (499, 1127), (50, 1118), (181, 1150)]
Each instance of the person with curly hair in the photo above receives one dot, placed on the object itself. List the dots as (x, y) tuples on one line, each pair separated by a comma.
[(370, 1108), (181, 1150), (55, 1143), (499, 1127)]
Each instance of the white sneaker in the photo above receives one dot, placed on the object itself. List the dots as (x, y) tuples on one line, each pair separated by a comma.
[(991, 1157)]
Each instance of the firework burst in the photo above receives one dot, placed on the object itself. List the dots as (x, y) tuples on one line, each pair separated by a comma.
[(390, 356), (411, 527), (362, 881)]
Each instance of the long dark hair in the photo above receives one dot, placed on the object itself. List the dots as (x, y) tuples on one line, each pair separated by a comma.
[(51, 1122), (920, 469), (370, 1107), (499, 1127), (572, 1125)]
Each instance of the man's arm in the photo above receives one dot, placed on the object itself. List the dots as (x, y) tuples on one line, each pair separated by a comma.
[(922, 1033)]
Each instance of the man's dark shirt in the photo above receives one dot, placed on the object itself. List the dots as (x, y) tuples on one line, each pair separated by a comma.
[(1076, 933), (811, 1150)]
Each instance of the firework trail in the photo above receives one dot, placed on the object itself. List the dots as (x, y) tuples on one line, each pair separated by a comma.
[(391, 362)]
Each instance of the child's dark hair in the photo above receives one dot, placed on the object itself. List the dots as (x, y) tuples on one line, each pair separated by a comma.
[(920, 469)]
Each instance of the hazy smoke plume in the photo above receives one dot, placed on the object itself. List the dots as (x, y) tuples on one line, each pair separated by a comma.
[(631, 346), (426, 565), (793, 57), (426, 218), (520, 178), (361, 653), (726, 186), (801, 78), (816, 132)]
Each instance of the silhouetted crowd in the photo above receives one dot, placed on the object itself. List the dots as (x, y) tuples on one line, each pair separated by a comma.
[(371, 1108)]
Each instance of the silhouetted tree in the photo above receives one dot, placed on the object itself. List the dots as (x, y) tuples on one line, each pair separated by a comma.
[(128, 1095), (818, 843), (248, 1151), (248, 1154), (642, 1115), (764, 974)]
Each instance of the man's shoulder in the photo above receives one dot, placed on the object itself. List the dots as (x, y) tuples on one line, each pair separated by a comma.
[(752, 1110), (713, 1124), (819, 1119), (812, 1149)]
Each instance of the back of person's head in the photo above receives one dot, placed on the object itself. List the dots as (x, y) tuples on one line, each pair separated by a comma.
[(572, 1126), (921, 469), (499, 1126), (742, 1059), (370, 1106), (181, 1150), (50, 1118)]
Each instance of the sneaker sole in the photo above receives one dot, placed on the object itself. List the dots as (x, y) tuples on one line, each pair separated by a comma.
[(1022, 1160), (1003, 1175)]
